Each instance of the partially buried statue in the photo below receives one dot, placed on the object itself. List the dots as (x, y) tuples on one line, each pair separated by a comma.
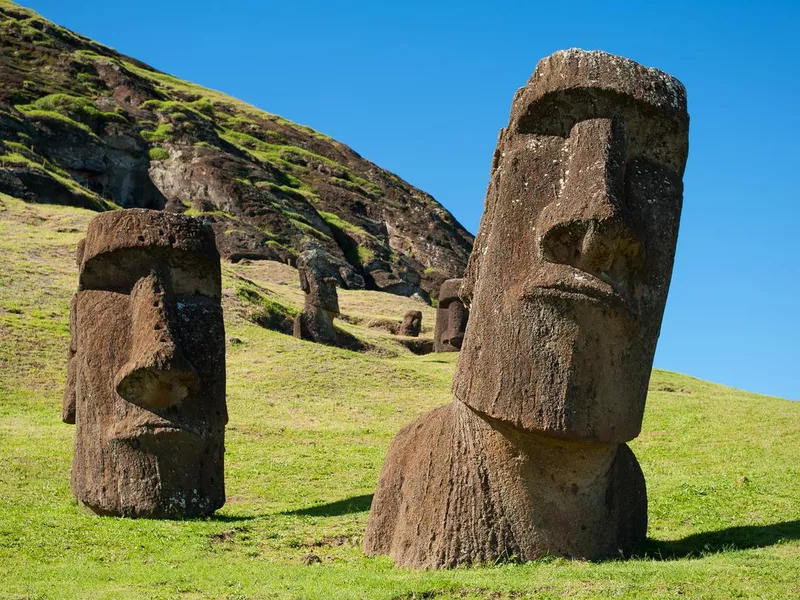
[(146, 372), (412, 324), (451, 318), (566, 286), (318, 281)]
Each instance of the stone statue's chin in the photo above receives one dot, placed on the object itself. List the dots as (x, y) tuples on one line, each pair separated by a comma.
[(160, 440), (602, 299), (561, 365)]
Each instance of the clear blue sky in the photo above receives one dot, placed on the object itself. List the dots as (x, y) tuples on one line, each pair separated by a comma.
[(421, 88)]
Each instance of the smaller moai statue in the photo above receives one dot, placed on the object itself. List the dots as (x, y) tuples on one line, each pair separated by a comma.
[(451, 318), (318, 281), (412, 324), (146, 368)]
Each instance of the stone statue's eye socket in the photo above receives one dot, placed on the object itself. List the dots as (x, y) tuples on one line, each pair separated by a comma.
[(649, 133), (557, 113), (184, 274), (658, 141), (546, 123), (100, 273)]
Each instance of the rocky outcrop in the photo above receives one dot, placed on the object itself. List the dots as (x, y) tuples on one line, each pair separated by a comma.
[(83, 125)]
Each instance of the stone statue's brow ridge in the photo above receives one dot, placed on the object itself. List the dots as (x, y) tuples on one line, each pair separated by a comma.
[(597, 57)]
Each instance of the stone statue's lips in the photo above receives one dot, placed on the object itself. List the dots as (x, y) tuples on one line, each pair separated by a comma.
[(564, 281), (158, 430), (154, 429)]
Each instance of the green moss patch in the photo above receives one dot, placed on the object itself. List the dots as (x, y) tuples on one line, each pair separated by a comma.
[(158, 153), (74, 111)]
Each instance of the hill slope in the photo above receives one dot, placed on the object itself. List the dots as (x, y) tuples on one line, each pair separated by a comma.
[(309, 428), (81, 124)]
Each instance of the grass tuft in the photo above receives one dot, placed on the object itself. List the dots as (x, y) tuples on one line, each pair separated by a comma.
[(158, 153)]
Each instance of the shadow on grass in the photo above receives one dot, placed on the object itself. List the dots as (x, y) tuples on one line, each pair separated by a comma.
[(334, 509), (350, 342), (232, 518), (724, 540)]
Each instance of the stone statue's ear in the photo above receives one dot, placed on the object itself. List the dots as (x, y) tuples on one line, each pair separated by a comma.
[(304, 282), (79, 252), (480, 246), (69, 400), (467, 288)]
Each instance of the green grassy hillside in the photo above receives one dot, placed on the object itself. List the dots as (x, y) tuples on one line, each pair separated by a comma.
[(82, 125), (309, 426)]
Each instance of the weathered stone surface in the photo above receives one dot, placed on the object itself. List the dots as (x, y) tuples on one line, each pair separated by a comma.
[(412, 324), (146, 371), (318, 281), (566, 288), (451, 318), (458, 487)]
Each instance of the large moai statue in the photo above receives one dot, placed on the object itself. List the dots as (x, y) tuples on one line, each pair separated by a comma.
[(318, 281), (412, 324), (146, 370), (451, 318), (566, 287)]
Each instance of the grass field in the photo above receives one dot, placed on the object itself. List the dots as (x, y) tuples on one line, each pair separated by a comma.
[(309, 427)]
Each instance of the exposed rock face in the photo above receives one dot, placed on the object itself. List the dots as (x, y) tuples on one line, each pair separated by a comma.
[(318, 281), (412, 324), (566, 288), (451, 318), (81, 124), (146, 370)]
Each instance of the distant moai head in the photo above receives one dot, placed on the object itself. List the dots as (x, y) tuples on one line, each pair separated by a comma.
[(412, 324), (451, 318), (318, 280), (146, 375), (569, 274)]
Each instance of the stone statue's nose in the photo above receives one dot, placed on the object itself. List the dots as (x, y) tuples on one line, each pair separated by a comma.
[(587, 227), (157, 375)]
